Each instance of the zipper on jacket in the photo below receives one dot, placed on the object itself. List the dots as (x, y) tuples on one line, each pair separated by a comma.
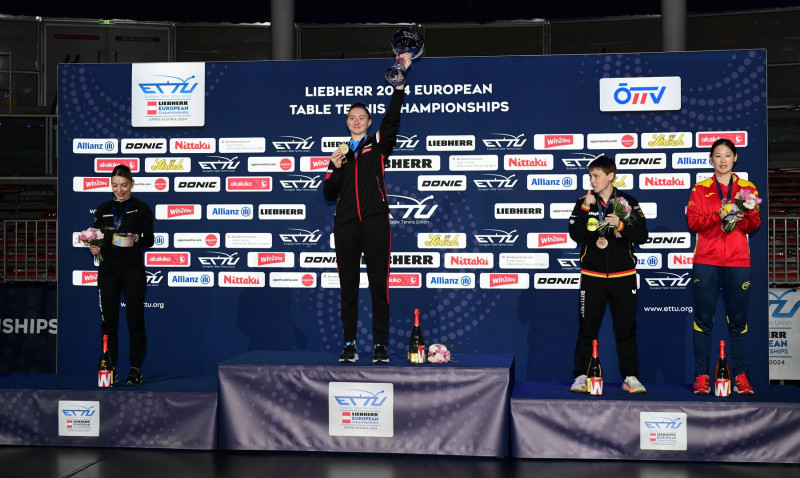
[(358, 202)]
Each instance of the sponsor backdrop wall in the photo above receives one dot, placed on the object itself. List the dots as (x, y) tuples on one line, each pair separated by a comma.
[(490, 160)]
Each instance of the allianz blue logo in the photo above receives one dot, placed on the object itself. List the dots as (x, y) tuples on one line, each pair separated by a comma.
[(247, 212), (159, 240), (663, 423), (567, 182), (110, 146), (466, 281), (638, 95), (651, 261), (79, 411), (170, 87), (362, 398), (205, 279)]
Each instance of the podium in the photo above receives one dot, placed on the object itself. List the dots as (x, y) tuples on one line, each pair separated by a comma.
[(282, 401)]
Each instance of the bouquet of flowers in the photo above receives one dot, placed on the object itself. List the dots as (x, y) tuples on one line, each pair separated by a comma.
[(438, 353), (745, 200), (93, 237), (619, 208)]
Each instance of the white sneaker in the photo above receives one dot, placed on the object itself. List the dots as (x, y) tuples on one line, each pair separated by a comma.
[(579, 385), (633, 385)]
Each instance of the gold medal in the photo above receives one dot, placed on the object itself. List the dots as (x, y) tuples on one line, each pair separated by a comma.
[(602, 242)]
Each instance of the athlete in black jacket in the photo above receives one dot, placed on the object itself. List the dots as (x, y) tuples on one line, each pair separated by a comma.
[(361, 222), (608, 272), (122, 269)]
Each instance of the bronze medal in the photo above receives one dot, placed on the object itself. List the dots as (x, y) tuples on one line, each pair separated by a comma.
[(602, 242)]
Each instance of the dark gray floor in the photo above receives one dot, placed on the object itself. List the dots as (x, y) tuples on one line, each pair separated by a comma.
[(52, 462)]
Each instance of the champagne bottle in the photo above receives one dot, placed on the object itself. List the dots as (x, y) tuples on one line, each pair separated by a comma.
[(105, 369), (722, 374), (594, 375), (416, 344)]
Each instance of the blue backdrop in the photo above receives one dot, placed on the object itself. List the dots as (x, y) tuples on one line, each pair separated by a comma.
[(507, 112)]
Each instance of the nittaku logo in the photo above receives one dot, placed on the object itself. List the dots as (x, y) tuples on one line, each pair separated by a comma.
[(154, 278), (361, 398), (505, 141), (498, 182), (220, 259), (221, 163), (417, 210), (303, 183), (669, 280), (497, 237), (302, 236), (406, 142), (294, 143), (173, 85)]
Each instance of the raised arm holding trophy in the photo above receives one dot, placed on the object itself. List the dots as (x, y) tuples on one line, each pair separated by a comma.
[(355, 180)]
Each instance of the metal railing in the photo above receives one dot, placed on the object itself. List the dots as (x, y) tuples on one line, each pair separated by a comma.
[(784, 246), (29, 251)]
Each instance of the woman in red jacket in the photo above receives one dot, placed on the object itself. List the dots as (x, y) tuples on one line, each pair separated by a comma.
[(721, 264)]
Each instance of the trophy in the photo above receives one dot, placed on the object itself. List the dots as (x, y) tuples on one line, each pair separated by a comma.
[(403, 41)]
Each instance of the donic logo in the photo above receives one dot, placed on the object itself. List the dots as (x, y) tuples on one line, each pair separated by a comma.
[(180, 85)]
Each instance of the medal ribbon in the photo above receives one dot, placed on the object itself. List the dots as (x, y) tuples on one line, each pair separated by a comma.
[(603, 210), (719, 190), (118, 218)]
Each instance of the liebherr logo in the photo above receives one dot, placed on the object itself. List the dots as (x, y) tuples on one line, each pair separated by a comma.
[(302, 183), (496, 182), (293, 143), (302, 236), (413, 209), (505, 141), (497, 237), (221, 163)]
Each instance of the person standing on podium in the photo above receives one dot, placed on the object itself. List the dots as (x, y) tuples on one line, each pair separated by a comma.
[(121, 271), (607, 223), (355, 180)]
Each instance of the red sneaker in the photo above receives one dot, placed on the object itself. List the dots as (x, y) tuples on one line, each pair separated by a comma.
[(702, 385), (742, 386)]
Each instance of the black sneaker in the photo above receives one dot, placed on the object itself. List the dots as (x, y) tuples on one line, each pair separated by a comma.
[(134, 377), (350, 354), (380, 355)]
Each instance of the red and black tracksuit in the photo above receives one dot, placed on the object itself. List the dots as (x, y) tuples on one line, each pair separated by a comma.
[(121, 273), (361, 223), (608, 275)]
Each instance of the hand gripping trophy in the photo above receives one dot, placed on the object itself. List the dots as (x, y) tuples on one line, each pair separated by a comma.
[(403, 41)]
